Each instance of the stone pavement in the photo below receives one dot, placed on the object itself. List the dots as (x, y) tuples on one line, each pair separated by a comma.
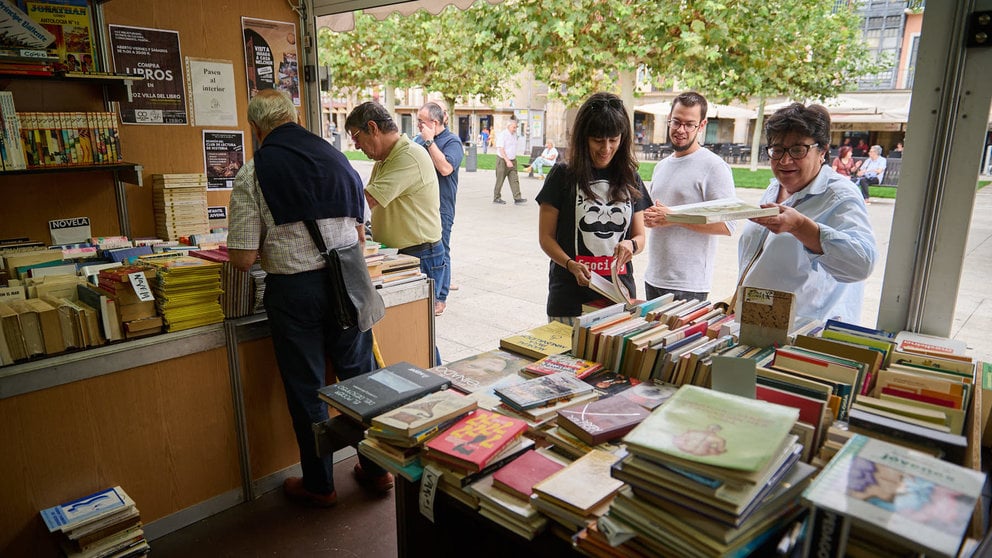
[(502, 274)]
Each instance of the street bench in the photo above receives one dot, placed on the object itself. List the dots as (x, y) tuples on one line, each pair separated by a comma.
[(893, 168), (536, 151)]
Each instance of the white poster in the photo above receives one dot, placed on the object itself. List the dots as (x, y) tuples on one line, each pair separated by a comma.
[(211, 84)]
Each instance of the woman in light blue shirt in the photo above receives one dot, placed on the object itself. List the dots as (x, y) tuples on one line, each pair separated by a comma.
[(820, 246)]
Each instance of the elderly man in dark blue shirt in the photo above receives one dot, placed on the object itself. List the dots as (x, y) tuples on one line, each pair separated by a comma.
[(446, 153)]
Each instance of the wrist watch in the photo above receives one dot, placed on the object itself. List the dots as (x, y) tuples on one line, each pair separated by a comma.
[(428, 144)]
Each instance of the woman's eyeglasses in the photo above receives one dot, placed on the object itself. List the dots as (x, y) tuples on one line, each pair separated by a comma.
[(796, 152)]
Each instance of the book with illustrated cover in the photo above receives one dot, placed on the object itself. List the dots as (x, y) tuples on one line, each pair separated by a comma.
[(650, 395), (717, 211), (421, 414), (76, 513), (608, 383), (543, 390), (602, 420), (583, 485), (480, 372), (520, 475), (71, 28), (19, 30), (698, 425), (373, 393), (553, 364), (553, 338), (475, 439), (921, 500)]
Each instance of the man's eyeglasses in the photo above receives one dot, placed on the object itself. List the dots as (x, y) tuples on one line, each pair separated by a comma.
[(676, 124), (606, 103), (796, 152)]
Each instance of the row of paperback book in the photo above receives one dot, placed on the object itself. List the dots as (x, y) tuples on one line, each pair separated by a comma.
[(104, 524)]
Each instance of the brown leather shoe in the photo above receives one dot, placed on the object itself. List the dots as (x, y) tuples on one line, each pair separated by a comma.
[(381, 484), (439, 307), (293, 487)]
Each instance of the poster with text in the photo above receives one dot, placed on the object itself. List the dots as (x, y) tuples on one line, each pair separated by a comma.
[(223, 156), (211, 92), (271, 60), (153, 55)]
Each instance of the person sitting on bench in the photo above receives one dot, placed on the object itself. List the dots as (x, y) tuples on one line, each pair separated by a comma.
[(548, 158)]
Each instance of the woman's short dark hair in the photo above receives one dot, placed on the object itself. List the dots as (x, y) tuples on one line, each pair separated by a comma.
[(603, 115), (812, 121), (370, 111)]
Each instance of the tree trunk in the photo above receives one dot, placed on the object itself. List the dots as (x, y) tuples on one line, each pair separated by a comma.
[(627, 78), (759, 121)]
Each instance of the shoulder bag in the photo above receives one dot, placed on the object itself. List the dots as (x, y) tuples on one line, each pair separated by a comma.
[(353, 298)]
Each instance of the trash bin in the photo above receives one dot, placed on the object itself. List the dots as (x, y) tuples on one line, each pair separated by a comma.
[(337, 141), (471, 158)]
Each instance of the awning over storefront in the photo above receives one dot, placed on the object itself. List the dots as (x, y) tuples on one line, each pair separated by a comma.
[(664, 108)]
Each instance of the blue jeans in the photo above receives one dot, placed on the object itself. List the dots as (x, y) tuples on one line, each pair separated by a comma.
[(304, 335), (433, 265), (443, 287), (539, 164)]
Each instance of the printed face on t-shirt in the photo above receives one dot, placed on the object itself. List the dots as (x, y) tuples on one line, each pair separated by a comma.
[(601, 225)]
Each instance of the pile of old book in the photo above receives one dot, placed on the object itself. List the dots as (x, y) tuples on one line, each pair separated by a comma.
[(238, 297), (709, 474), (180, 202), (130, 300), (106, 523), (187, 291), (388, 268)]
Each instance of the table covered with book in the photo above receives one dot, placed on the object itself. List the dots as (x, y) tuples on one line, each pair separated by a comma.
[(618, 437)]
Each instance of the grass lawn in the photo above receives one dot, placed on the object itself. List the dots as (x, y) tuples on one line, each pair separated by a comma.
[(743, 177)]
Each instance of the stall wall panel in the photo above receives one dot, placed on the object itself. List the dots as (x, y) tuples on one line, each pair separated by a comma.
[(271, 442), (164, 432)]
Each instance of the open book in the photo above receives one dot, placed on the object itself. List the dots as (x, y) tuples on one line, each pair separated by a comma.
[(716, 211), (613, 290)]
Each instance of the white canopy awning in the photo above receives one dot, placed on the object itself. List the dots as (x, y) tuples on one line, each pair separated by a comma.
[(664, 108), (337, 15)]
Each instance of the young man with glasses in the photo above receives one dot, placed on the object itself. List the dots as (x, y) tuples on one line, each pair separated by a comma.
[(681, 256)]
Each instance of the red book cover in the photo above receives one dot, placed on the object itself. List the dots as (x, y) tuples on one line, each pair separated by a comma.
[(602, 420), (810, 409), (553, 364), (929, 397), (475, 439), (520, 475)]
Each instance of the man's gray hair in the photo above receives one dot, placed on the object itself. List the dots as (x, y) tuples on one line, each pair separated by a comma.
[(435, 111), (876, 149), (271, 108)]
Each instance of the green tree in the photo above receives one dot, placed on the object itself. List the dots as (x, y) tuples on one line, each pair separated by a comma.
[(578, 47), (744, 49), (453, 53)]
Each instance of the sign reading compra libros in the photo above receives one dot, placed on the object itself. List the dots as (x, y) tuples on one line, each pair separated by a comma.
[(153, 55)]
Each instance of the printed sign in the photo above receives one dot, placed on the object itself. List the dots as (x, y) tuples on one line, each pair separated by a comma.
[(211, 86), (153, 55), (141, 287), (223, 156), (271, 58)]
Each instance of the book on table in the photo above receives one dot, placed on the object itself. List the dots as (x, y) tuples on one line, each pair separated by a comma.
[(480, 372), (520, 475), (458, 477), (543, 390), (552, 338), (613, 289), (507, 510), (919, 500), (602, 420), (371, 394), (717, 211), (698, 425), (475, 439), (423, 413), (583, 485), (552, 364)]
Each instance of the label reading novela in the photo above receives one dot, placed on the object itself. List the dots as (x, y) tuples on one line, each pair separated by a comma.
[(141, 287)]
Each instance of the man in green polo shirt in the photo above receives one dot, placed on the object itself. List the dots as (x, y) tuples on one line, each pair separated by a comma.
[(403, 190)]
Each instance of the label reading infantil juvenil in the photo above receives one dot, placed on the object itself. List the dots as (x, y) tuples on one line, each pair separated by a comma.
[(141, 287)]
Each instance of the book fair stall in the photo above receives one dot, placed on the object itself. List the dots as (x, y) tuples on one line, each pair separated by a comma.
[(140, 389)]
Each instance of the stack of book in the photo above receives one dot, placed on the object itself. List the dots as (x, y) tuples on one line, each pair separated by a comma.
[(12, 156), (187, 291), (579, 493), (374, 393), (602, 420), (472, 448), (707, 472), (538, 400), (180, 202), (238, 296), (504, 496), (875, 498), (394, 269), (396, 438), (137, 315), (26, 62), (106, 523), (553, 364)]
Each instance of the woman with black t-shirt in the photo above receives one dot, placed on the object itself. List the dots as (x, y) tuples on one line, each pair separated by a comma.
[(592, 208)]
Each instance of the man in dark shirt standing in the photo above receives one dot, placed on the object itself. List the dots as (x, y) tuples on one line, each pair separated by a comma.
[(295, 177), (446, 153)]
